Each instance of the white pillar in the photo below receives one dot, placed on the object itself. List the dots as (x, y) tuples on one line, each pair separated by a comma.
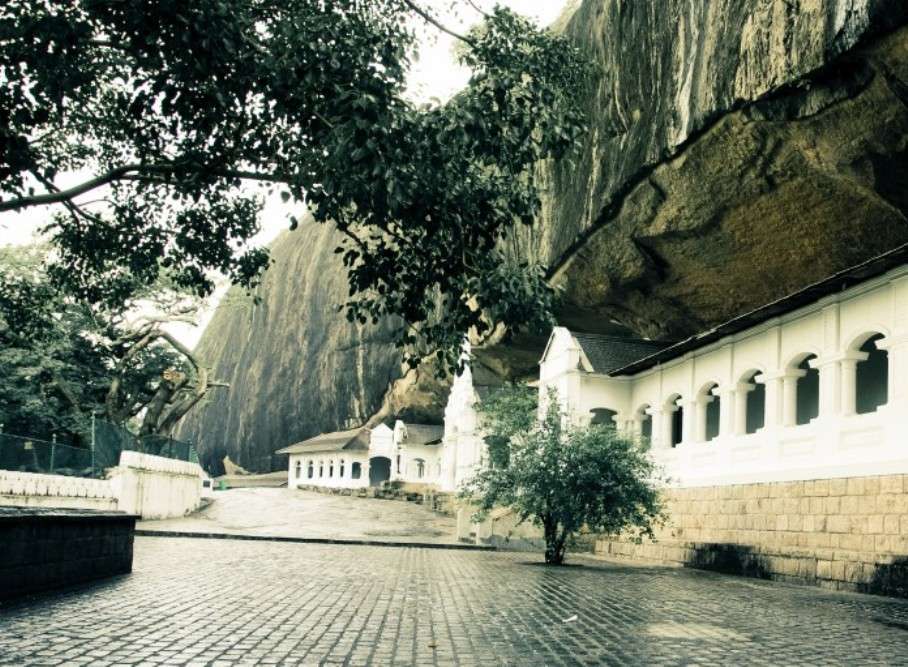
[(897, 352), (688, 424), (830, 385), (789, 396), (773, 409), (664, 424), (726, 410), (700, 426), (848, 368)]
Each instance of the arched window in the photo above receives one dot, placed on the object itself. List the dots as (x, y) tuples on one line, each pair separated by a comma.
[(299, 469), (708, 405), (321, 468), (807, 392), (341, 469), (331, 468), (398, 464), (673, 416), (677, 426), (311, 471), (871, 377), (645, 422), (420, 468), (754, 403), (602, 417), (356, 470)]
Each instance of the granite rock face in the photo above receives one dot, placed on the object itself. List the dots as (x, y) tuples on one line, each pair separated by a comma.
[(296, 367), (738, 150)]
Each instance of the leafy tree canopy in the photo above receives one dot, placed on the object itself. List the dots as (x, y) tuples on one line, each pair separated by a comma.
[(564, 477), (62, 358), (170, 109)]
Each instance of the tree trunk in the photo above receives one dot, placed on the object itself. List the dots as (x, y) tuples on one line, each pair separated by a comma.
[(156, 407), (554, 543)]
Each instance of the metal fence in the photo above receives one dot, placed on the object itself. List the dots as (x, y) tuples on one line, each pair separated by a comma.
[(109, 440), (25, 454), (28, 454)]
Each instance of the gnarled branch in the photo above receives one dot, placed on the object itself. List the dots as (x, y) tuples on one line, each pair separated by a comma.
[(428, 18)]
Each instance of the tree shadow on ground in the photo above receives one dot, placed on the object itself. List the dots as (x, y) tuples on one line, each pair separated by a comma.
[(889, 579), (728, 559)]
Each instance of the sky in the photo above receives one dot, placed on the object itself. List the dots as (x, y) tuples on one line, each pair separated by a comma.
[(435, 76)]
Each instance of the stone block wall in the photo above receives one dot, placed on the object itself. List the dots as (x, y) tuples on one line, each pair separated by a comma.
[(42, 549), (847, 534)]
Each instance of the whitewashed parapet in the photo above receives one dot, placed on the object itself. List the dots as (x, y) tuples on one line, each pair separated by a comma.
[(34, 489), (13, 483), (160, 464), (155, 487)]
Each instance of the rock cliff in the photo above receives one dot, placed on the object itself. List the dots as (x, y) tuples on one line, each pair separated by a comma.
[(738, 150)]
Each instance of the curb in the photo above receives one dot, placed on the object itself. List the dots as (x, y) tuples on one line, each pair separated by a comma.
[(314, 540)]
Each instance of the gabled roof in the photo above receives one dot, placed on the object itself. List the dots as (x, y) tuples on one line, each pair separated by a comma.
[(423, 434), (352, 440), (608, 353), (837, 282)]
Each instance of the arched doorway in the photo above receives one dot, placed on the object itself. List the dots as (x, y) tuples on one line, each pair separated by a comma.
[(379, 470)]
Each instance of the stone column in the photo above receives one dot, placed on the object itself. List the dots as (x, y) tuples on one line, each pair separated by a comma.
[(830, 385), (772, 412), (789, 382), (700, 426), (897, 350), (727, 398), (688, 425), (848, 367), (663, 426)]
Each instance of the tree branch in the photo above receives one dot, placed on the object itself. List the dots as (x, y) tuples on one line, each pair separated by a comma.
[(478, 9), (428, 18), (73, 208), (128, 172), (113, 413)]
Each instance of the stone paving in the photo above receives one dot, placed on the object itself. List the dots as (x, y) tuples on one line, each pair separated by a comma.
[(226, 602), (293, 513)]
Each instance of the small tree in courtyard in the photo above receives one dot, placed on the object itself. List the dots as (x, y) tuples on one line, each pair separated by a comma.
[(564, 477)]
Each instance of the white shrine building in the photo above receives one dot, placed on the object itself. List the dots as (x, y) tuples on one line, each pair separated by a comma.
[(463, 448), (359, 458), (812, 386)]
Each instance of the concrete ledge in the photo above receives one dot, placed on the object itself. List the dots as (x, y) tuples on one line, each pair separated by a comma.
[(314, 540), (46, 548)]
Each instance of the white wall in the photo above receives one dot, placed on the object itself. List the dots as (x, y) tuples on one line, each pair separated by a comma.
[(410, 454), (150, 486), (837, 443), (26, 489), (323, 463), (155, 487)]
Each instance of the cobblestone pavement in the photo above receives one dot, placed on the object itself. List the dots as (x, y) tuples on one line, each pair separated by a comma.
[(201, 601), (293, 513)]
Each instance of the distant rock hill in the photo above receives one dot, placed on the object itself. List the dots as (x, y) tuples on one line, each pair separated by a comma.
[(739, 150)]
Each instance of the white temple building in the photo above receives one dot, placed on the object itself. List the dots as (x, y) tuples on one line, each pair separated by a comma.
[(359, 458), (812, 386), (463, 449)]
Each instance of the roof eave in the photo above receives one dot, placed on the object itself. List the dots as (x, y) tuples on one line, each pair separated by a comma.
[(834, 284)]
